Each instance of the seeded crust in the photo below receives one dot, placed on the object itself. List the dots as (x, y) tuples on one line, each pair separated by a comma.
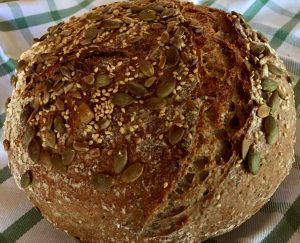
[(189, 181)]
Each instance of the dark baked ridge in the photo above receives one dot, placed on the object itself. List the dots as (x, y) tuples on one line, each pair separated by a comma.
[(185, 192)]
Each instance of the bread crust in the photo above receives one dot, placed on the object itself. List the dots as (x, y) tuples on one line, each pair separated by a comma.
[(182, 177)]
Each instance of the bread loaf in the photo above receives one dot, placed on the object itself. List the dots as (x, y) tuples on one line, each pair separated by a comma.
[(150, 121)]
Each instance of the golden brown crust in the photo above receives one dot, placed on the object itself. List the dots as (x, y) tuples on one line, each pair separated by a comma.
[(127, 123)]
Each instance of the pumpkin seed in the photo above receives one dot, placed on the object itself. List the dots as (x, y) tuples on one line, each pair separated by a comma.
[(59, 125), (7, 102), (253, 161), (275, 70), (28, 135), (132, 173), (51, 60), (25, 114), (120, 160), (60, 105), (50, 139), (167, 13), (149, 82), (85, 114), (89, 79), (274, 102), (165, 37), (94, 16), (178, 42), (293, 80), (185, 57), (26, 179), (21, 65), (162, 61), (146, 67), (267, 51), (6, 145), (111, 23), (155, 103), (104, 123), (147, 15), (127, 20), (81, 146), (172, 57), (137, 89), (13, 80), (155, 6), (154, 53), (58, 86), (65, 71), (86, 42), (157, 26), (263, 111), (268, 85), (93, 153), (91, 33), (175, 134), (49, 122), (45, 159), (68, 156), (34, 150), (66, 33), (165, 87), (257, 49), (245, 148), (75, 94), (262, 37), (102, 181), (122, 99), (102, 80), (271, 130), (57, 163)]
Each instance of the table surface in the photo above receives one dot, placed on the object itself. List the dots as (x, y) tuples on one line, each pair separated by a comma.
[(21, 21)]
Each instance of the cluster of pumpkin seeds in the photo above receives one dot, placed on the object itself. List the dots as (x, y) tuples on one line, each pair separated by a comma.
[(271, 75), (85, 95)]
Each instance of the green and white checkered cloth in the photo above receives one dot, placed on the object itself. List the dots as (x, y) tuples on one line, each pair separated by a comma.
[(21, 21)]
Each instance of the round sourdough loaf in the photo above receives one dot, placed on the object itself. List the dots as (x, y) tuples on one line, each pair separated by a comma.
[(150, 121)]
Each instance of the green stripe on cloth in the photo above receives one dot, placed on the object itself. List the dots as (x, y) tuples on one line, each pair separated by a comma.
[(5, 1), (278, 9), (254, 9), (275, 207), (210, 241), (209, 2), (7, 67), (4, 175), (2, 119), (292, 39), (296, 164), (38, 19), (297, 94), (19, 22), (287, 226), (54, 13), (21, 226), (283, 32)]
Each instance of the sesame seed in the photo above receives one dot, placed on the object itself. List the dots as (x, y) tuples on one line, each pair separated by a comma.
[(122, 130)]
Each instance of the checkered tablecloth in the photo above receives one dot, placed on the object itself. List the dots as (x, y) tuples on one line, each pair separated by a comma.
[(21, 21)]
